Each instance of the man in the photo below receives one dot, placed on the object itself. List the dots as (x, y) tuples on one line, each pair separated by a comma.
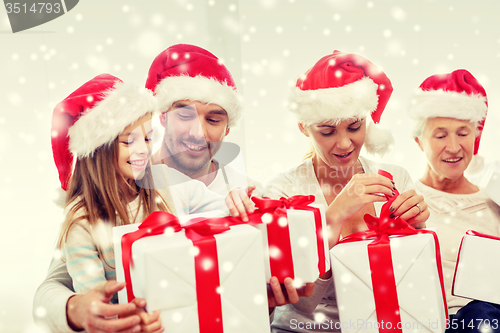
[(199, 104)]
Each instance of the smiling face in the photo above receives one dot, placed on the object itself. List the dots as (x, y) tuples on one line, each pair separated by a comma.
[(448, 144), (193, 133), (337, 144), (134, 148)]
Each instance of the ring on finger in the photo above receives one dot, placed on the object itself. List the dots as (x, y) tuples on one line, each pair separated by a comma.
[(419, 208)]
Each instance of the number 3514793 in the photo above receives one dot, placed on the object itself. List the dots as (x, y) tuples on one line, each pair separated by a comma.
[(39, 7)]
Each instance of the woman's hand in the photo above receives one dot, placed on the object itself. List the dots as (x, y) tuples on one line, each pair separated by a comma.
[(411, 207), (361, 190), (150, 323), (277, 295), (239, 203)]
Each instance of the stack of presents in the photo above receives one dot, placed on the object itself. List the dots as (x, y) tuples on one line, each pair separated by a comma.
[(209, 273)]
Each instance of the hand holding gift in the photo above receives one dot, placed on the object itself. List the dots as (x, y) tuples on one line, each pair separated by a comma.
[(286, 293), (239, 203), (150, 323), (390, 274)]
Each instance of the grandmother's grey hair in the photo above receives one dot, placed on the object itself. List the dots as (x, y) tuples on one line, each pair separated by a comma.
[(419, 126)]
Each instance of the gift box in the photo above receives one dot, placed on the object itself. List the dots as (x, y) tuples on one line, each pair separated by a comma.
[(389, 278), (294, 238), (203, 278), (492, 189), (476, 276)]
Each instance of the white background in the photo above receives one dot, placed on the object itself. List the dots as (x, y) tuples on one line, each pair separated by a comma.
[(266, 44)]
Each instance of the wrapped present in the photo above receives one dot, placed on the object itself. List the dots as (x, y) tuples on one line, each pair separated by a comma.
[(476, 277), (389, 278), (294, 237), (203, 276), (492, 189)]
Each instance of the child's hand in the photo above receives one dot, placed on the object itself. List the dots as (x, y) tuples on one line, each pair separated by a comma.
[(150, 323), (239, 203)]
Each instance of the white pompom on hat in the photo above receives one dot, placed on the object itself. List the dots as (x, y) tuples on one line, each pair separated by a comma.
[(343, 86), (189, 72), (94, 115)]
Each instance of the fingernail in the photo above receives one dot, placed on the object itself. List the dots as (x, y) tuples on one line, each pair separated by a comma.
[(288, 282), (131, 307), (274, 281), (136, 329), (391, 216), (393, 194), (392, 181), (391, 209), (394, 188), (245, 219), (137, 321)]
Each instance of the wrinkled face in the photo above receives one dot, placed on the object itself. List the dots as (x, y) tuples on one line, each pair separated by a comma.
[(134, 148), (338, 144), (193, 133), (448, 144)]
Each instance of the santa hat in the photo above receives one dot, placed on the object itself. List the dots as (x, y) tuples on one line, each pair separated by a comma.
[(455, 95), (76, 131), (343, 86), (189, 72)]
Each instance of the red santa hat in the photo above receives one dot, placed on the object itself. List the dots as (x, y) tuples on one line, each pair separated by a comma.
[(455, 95), (189, 72), (343, 86), (78, 132)]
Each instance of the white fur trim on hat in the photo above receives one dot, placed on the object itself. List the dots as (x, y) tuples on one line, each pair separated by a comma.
[(356, 100), (377, 140), (448, 104), (122, 106), (202, 89)]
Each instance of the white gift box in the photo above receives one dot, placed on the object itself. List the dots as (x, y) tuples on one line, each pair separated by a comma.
[(164, 275), (476, 273), (492, 189), (419, 290), (303, 238)]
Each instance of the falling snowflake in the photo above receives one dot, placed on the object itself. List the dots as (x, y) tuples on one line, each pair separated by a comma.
[(398, 14)]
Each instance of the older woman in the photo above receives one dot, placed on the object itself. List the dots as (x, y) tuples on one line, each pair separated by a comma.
[(449, 112), (333, 102)]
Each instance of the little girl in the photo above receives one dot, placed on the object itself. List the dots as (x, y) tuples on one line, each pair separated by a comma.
[(106, 125)]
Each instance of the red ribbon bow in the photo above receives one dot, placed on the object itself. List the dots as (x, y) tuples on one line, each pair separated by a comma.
[(201, 232), (282, 265), (380, 258)]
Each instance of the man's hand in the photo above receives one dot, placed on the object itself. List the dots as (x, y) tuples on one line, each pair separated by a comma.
[(279, 295), (89, 311)]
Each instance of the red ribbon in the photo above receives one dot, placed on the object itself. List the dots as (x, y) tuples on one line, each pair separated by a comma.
[(201, 232), (470, 233), (475, 233), (380, 258), (282, 266)]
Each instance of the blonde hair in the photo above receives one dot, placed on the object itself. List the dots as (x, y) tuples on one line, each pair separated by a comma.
[(94, 194)]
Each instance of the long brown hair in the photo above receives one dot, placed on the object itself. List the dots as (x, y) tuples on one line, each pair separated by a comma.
[(94, 192)]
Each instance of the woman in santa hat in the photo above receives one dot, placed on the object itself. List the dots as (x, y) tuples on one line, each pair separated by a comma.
[(337, 104), (101, 146), (449, 113)]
